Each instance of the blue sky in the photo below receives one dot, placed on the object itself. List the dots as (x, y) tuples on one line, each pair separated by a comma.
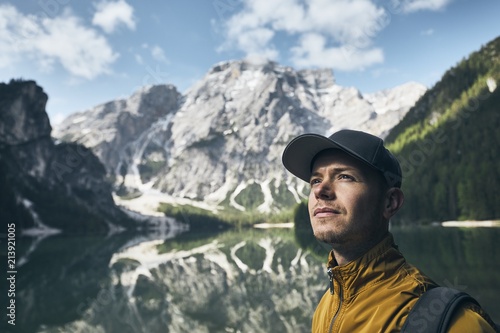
[(84, 53)]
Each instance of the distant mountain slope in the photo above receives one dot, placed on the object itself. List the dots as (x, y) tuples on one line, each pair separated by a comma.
[(221, 143), (449, 144), (116, 131)]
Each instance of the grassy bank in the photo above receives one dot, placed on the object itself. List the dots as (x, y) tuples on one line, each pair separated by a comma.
[(202, 220)]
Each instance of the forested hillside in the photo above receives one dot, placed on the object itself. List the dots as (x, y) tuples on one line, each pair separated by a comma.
[(448, 144)]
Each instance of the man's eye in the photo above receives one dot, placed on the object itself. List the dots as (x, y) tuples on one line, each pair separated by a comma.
[(315, 181), (346, 177)]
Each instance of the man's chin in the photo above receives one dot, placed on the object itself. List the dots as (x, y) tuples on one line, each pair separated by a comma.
[(328, 237)]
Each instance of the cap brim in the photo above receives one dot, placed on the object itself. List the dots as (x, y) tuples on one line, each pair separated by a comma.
[(299, 153)]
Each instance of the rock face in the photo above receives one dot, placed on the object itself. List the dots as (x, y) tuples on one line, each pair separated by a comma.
[(221, 143), (116, 130), (23, 116), (47, 186), (391, 106)]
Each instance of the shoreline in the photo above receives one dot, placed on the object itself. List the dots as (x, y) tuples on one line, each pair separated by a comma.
[(471, 224), (288, 225)]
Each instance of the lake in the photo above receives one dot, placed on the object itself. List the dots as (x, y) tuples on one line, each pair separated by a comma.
[(237, 281)]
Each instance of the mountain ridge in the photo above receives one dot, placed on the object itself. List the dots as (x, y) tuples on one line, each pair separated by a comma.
[(229, 130)]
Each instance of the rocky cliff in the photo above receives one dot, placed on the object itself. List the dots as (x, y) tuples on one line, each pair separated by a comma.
[(221, 142), (49, 187)]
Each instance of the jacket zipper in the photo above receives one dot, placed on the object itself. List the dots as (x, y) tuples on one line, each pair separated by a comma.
[(330, 275)]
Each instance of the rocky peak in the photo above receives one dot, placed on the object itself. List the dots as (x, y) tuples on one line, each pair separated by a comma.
[(391, 105), (402, 96), (111, 127), (23, 117), (317, 78)]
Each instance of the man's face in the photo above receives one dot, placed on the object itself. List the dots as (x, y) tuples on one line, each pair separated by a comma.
[(346, 200)]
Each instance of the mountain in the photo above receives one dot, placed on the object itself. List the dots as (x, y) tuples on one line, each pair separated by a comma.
[(49, 187), (448, 144), (220, 143), (110, 129)]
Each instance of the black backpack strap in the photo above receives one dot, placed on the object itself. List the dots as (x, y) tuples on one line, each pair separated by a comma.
[(434, 310)]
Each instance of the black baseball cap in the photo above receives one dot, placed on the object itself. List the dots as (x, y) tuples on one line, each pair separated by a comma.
[(299, 154)]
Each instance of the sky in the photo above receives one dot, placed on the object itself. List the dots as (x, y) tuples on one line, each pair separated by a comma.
[(85, 53)]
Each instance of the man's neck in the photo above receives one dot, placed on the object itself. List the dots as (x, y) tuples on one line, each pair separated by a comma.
[(344, 254)]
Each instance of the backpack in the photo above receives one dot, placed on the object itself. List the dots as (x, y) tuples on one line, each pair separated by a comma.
[(434, 310)]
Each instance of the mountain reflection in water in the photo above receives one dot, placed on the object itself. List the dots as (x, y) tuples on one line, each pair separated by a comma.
[(246, 281)]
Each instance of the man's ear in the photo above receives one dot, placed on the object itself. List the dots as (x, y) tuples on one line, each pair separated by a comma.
[(394, 199)]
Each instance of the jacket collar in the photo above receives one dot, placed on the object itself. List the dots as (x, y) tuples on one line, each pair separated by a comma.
[(380, 261)]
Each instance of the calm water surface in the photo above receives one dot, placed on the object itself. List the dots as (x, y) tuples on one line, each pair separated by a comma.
[(248, 281)]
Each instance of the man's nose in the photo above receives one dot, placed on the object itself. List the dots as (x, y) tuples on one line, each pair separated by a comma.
[(324, 191)]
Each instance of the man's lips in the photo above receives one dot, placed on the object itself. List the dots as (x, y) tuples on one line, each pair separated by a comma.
[(325, 211)]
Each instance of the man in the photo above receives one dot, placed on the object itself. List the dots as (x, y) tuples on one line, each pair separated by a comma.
[(355, 189)]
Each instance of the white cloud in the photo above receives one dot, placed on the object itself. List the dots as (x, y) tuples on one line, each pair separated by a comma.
[(110, 15), (427, 32), (158, 54), (339, 34), (312, 51), (138, 59), (410, 6), (326, 26), (256, 42), (47, 41)]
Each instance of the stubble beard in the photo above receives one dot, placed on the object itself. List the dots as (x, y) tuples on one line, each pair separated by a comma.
[(330, 232), (342, 231)]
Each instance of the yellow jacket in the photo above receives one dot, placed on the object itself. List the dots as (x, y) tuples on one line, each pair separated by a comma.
[(376, 292)]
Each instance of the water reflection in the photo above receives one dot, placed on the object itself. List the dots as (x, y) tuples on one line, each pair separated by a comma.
[(59, 277), (464, 258), (253, 280)]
